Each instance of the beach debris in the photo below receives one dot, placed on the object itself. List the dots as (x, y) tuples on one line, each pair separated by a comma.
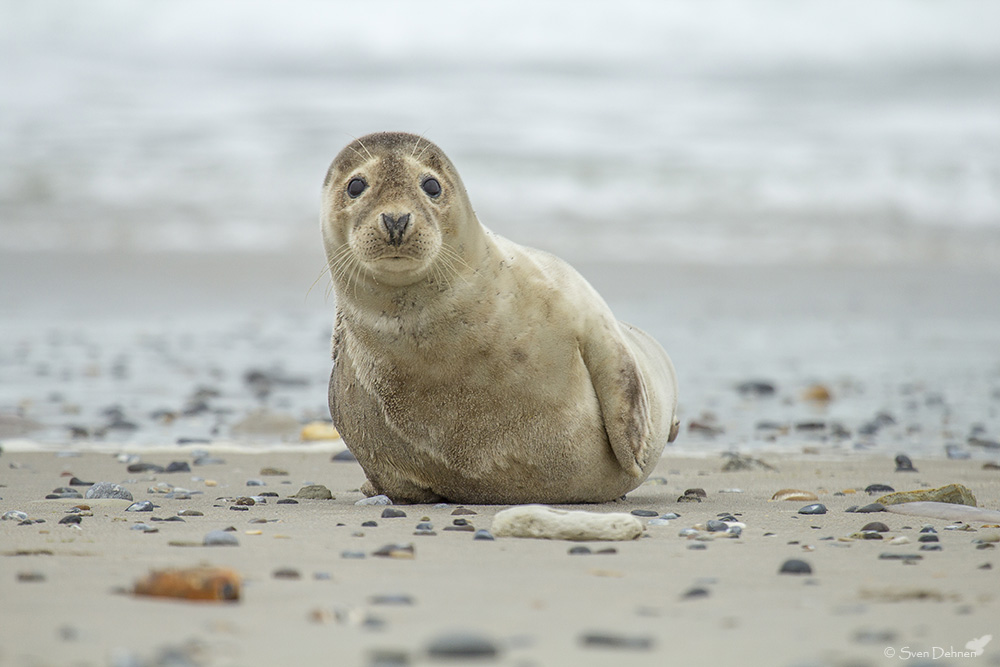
[(906, 595), (462, 646), (401, 551), (795, 566), (108, 490), (617, 641), (756, 389), (140, 506), (542, 522), (904, 464), (318, 430), (947, 511), (815, 508), (794, 494), (209, 584), (738, 462), (817, 393), (380, 499), (314, 492), (220, 538), (955, 494)]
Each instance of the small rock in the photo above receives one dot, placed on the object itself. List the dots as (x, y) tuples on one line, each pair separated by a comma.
[(872, 489), (108, 490), (286, 573), (483, 534), (715, 526), (141, 506), (190, 513), (144, 467), (644, 513), (877, 526), (928, 537), (30, 577), (392, 599), (76, 481), (71, 519), (256, 482), (902, 557), (178, 466), (462, 646), (369, 524), (352, 554), (868, 509), (955, 452), (904, 464), (314, 492), (795, 566), (756, 389), (696, 593), (272, 472), (539, 521), (931, 547), (460, 511), (14, 515), (816, 508), (287, 501), (392, 513), (617, 641), (955, 494), (404, 551), (344, 456), (579, 551), (220, 538), (375, 500)]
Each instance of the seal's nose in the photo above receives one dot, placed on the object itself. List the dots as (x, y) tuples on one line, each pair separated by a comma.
[(396, 227)]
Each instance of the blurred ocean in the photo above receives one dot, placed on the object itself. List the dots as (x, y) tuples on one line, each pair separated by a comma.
[(705, 132)]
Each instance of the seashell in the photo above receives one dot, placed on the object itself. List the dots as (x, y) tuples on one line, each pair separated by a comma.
[(794, 494)]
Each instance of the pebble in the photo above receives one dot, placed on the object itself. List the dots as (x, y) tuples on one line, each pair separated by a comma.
[(614, 640), (462, 646), (244, 500), (696, 593), (140, 506), (795, 566), (956, 452), (872, 489), (71, 519), (314, 492), (344, 456), (392, 599), (868, 509), (541, 522), (463, 528), (817, 508), (287, 501), (405, 551), (76, 481), (30, 577), (928, 537), (714, 525), (644, 513), (220, 538), (425, 525), (459, 511), (109, 490), (144, 467), (658, 522), (14, 515), (931, 547), (256, 482), (579, 551), (392, 513), (876, 526), (352, 554), (904, 464), (483, 534), (698, 546), (902, 557), (670, 515), (190, 513), (286, 573), (375, 500), (272, 472), (756, 388)]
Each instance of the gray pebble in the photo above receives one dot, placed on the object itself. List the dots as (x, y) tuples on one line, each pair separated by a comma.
[(141, 506), (670, 515), (658, 522), (190, 513), (425, 525), (352, 554), (369, 524), (345, 455), (897, 556), (14, 515), (815, 508), (375, 500), (698, 546), (715, 526), (455, 646), (579, 551), (220, 538), (645, 513), (288, 501), (696, 593), (178, 466), (71, 519), (904, 464), (878, 488), (734, 530), (795, 566), (256, 482), (392, 513), (109, 490), (928, 537), (391, 599), (314, 492), (876, 526), (868, 509), (931, 547), (483, 534), (612, 640), (286, 573)]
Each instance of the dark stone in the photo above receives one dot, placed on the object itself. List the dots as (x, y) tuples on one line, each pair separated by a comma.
[(286, 573), (872, 489), (369, 524), (896, 556), (931, 547), (696, 593), (715, 526), (462, 646), (144, 467), (344, 456), (810, 426), (795, 566), (71, 519), (459, 511), (467, 528), (178, 466), (815, 508), (391, 599), (756, 388), (287, 501), (904, 464), (606, 551), (928, 537), (868, 509), (76, 481), (928, 529), (877, 526), (314, 492), (579, 551), (460, 522), (613, 640), (698, 493), (392, 513), (645, 513)]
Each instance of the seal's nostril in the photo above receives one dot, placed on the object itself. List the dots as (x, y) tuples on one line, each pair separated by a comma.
[(395, 226)]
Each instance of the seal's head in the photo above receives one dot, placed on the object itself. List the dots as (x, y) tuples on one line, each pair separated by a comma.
[(395, 213)]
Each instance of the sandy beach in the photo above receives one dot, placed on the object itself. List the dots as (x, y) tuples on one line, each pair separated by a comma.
[(660, 599)]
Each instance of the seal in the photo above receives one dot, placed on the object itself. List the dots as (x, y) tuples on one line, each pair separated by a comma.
[(469, 368)]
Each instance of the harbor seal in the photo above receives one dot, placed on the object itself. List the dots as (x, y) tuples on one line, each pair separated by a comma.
[(469, 368)]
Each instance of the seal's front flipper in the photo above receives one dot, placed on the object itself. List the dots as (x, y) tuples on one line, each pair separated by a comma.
[(621, 393)]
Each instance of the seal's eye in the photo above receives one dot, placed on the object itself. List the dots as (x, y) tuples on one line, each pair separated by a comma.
[(431, 187), (356, 187)]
